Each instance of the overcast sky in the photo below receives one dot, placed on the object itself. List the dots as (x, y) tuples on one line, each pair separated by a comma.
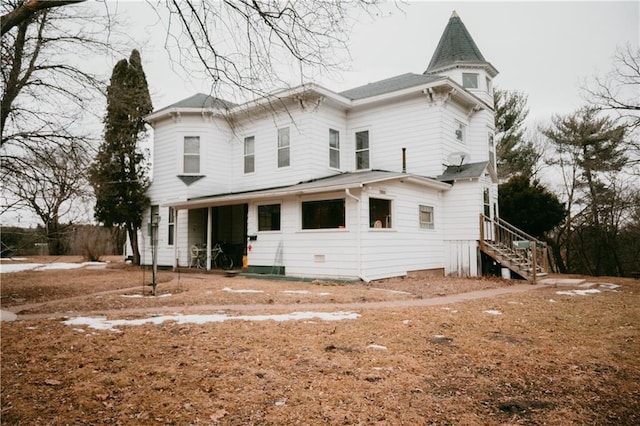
[(545, 49)]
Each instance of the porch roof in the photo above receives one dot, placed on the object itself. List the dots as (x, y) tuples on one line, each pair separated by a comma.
[(337, 182), (463, 172)]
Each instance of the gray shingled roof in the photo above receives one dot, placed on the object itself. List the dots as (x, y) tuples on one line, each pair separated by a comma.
[(455, 46), (466, 171), (200, 100), (389, 85)]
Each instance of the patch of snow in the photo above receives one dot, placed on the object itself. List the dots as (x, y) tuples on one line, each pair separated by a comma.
[(492, 312), (132, 296), (579, 292), (608, 286), (379, 347), (389, 291), (7, 316), (47, 266), (13, 258), (406, 322), (552, 301), (102, 323), (295, 291), (231, 290), (324, 294)]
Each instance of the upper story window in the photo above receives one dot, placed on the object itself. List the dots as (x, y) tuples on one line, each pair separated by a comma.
[(469, 80), (324, 214), (283, 147), (379, 213), (334, 149), (362, 150), (249, 154), (191, 155), (489, 85), (486, 201), (269, 217), (460, 132), (171, 224), (426, 217)]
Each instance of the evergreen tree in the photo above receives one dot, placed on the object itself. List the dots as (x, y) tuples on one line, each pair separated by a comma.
[(118, 175), (515, 155), (530, 206), (590, 150)]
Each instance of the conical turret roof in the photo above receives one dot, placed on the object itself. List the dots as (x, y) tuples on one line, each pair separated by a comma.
[(456, 46)]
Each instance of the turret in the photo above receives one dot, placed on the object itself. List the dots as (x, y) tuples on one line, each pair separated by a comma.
[(458, 57)]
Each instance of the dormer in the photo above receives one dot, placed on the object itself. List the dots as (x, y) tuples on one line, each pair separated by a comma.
[(458, 57)]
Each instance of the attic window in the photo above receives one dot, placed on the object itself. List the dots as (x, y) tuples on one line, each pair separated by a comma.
[(469, 80)]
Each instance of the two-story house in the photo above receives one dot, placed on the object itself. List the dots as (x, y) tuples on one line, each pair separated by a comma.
[(373, 182)]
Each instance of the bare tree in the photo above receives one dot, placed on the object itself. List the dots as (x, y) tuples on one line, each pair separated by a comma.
[(49, 180), (619, 90)]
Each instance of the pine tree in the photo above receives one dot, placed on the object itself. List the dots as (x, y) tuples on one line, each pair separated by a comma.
[(118, 175)]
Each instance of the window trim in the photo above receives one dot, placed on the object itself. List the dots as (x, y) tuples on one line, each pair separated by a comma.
[(281, 148), (462, 128), (390, 217), (471, 74), (279, 204), (185, 154), (430, 225), (320, 200), (171, 223), (251, 155), (367, 150), (335, 149)]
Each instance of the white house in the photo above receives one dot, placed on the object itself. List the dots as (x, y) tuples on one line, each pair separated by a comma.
[(374, 182)]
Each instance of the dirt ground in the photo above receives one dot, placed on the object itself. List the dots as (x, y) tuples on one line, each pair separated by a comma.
[(534, 357)]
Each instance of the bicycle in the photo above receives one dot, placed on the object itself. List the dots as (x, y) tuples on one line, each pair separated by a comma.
[(218, 257)]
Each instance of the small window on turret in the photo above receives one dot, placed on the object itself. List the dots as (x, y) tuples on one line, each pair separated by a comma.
[(469, 80)]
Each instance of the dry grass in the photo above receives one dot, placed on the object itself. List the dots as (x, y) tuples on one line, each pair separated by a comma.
[(573, 360)]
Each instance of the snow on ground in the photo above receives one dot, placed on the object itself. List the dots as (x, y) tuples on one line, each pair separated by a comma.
[(4, 268), (231, 290), (579, 292), (492, 312), (101, 323)]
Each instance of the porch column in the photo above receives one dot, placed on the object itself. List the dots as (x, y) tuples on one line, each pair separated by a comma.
[(209, 226), (175, 239)]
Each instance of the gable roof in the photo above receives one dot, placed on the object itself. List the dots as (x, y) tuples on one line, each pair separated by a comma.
[(389, 85), (456, 46), (466, 171), (338, 182)]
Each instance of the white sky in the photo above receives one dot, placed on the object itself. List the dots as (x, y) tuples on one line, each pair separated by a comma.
[(545, 49)]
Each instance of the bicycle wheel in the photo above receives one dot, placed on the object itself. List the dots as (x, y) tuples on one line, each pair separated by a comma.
[(202, 262), (224, 261)]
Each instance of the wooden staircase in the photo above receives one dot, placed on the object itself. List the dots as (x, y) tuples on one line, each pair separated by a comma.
[(513, 248)]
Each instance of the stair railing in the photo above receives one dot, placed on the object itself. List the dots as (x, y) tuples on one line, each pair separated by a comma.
[(502, 235)]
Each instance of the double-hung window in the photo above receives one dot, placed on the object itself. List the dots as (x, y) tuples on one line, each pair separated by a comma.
[(362, 150), (269, 217), (334, 149), (171, 223), (249, 154), (426, 217), (379, 213), (191, 155), (324, 214), (284, 146)]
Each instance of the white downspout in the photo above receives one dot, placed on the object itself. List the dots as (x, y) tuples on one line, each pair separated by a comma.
[(358, 235)]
